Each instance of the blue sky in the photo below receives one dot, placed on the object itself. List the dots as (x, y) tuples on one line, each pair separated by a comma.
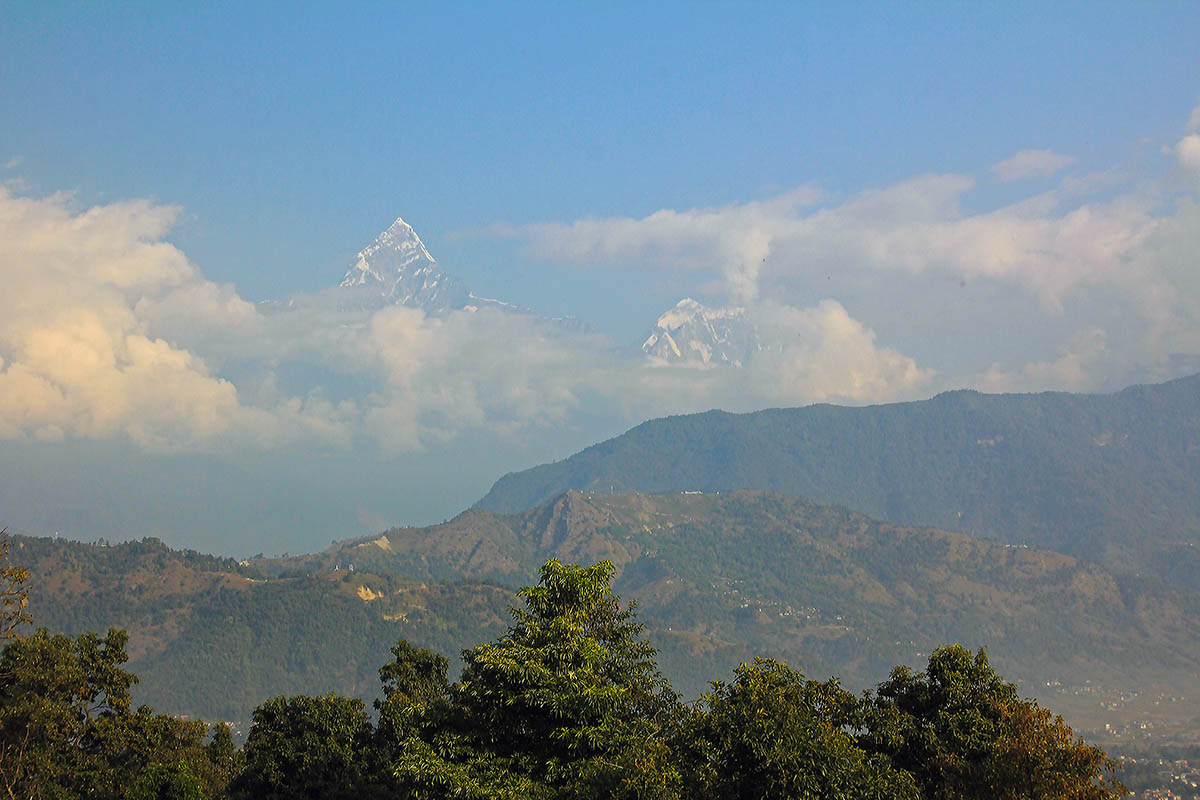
[(923, 196), (290, 137)]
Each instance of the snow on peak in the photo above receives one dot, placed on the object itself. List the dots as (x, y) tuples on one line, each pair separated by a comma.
[(688, 310), (396, 269), (401, 225), (693, 333), (399, 236), (394, 252)]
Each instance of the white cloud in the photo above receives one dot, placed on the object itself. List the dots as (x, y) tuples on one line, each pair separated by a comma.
[(915, 226), (107, 330), (809, 355), (1031, 164), (1097, 253), (1075, 369), (442, 375), (1193, 124), (733, 240), (1187, 151), (78, 361), (822, 354), (78, 355)]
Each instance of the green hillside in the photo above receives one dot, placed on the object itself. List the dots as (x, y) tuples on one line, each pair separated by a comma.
[(720, 579), (1109, 478), (724, 577), (211, 638)]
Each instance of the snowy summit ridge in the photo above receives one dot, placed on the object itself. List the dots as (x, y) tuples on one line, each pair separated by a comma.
[(693, 333), (401, 241), (396, 269)]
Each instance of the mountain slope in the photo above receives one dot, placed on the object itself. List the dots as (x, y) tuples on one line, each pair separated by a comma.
[(726, 577), (211, 638), (720, 579), (1112, 478)]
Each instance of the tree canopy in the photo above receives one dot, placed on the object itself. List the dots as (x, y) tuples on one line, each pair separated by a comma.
[(568, 702), (963, 732), (67, 728), (773, 733)]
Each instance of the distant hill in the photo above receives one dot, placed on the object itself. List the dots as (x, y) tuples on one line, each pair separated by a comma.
[(722, 578), (1111, 478), (725, 577), (719, 578), (211, 638)]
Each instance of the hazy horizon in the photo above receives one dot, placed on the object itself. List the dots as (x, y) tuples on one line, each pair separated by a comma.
[(900, 201)]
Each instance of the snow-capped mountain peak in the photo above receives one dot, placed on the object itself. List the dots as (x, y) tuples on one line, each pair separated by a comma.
[(396, 269), (392, 251), (688, 310), (693, 333)]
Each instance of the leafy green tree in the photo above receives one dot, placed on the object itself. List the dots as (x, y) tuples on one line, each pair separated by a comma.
[(568, 703), (57, 695), (964, 733), (14, 598), (303, 746), (571, 694), (67, 729), (222, 753), (424, 744), (173, 781), (415, 674), (773, 734)]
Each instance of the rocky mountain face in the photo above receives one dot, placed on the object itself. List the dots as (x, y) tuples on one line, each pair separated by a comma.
[(693, 333), (191, 617), (394, 269), (397, 269), (725, 577)]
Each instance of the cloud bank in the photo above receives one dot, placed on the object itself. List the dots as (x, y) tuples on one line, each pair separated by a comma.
[(1116, 263), (732, 240), (108, 331), (1187, 149), (916, 227), (76, 359)]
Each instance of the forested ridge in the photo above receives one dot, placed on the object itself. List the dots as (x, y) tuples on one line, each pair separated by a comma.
[(1110, 478), (191, 618), (567, 702), (721, 578)]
